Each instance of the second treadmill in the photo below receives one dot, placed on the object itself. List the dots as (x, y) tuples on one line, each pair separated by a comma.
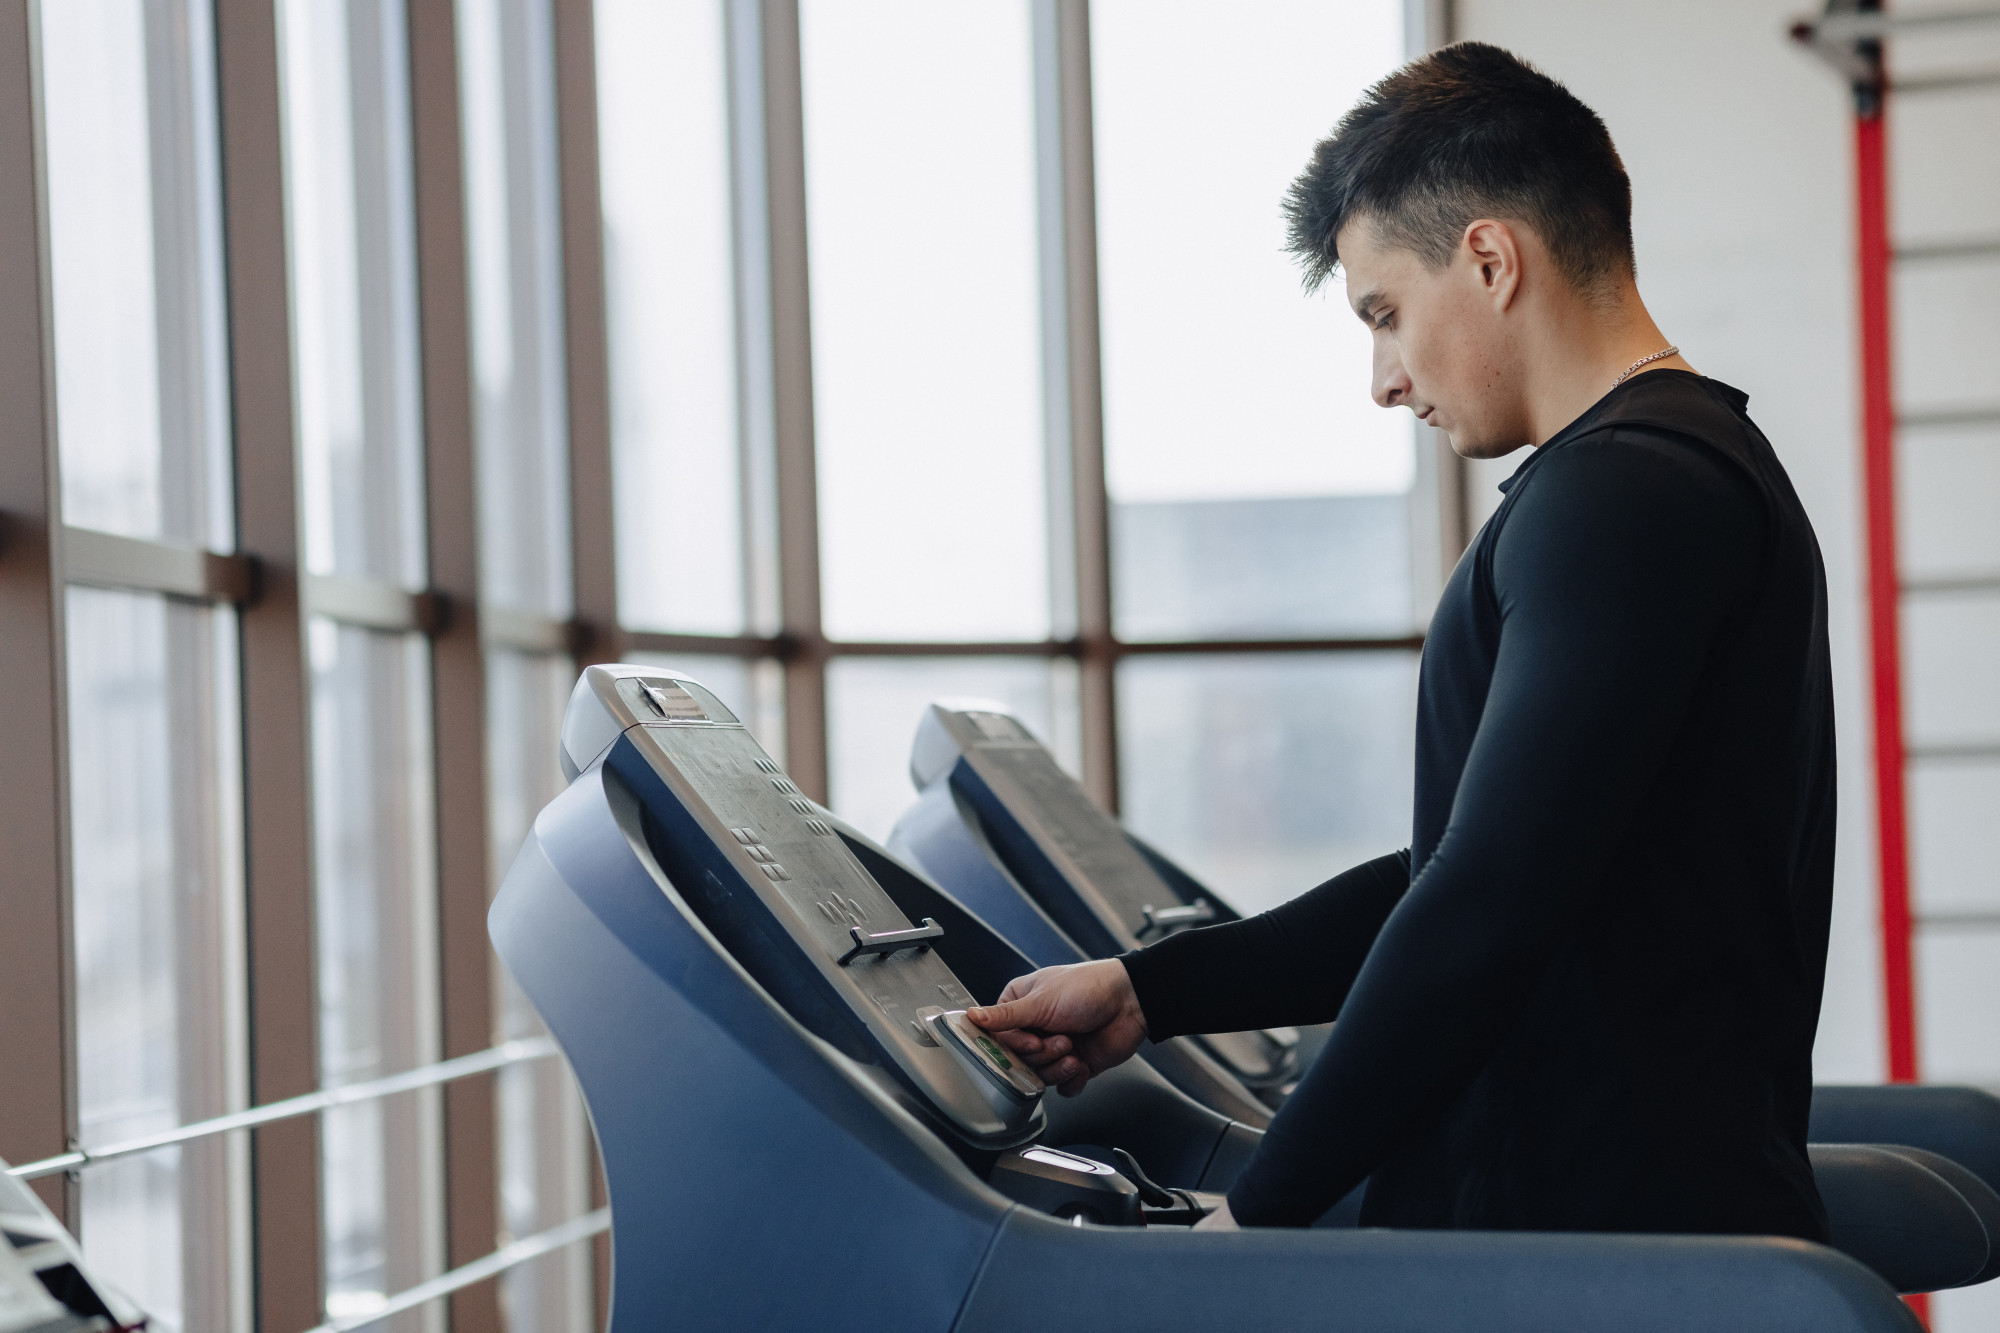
[(1000, 825)]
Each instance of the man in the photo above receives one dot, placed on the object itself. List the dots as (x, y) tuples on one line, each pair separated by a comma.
[(1585, 997)]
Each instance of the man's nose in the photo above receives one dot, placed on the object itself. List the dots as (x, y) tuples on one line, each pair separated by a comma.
[(1391, 385)]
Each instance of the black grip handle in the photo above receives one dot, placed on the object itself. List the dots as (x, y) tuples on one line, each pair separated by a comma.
[(892, 941), (1150, 1194)]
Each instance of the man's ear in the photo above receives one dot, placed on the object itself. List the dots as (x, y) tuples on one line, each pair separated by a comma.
[(1494, 253)]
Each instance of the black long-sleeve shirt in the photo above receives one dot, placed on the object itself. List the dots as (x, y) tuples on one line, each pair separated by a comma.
[(1585, 999)]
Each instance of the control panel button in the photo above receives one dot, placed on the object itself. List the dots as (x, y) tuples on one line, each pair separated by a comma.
[(842, 911)]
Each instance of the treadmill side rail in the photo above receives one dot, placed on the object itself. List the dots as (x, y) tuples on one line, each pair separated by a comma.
[(1422, 1282), (1957, 1122)]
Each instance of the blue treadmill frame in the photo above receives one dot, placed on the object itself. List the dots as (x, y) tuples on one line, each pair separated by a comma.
[(758, 1178)]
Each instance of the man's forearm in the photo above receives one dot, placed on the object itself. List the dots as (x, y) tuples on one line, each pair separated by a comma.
[(1290, 965)]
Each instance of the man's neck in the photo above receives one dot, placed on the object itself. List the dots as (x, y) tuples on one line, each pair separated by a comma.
[(1584, 347)]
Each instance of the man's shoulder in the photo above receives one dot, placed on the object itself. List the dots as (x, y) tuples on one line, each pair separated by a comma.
[(1682, 430), (1682, 466), (1678, 403)]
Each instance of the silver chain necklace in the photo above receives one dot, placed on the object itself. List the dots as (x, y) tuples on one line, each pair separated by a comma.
[(1660, 355)]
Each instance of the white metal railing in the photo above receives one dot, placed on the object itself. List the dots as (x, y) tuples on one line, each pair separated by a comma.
[(445, 1071), (464, 1066), (502, 1259)]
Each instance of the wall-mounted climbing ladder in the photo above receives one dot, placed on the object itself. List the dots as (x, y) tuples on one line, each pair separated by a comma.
[(1933, 598)]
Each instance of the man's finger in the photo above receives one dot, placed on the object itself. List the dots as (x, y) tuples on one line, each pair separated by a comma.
[(1063, 1070), (1023, 1013), (1025, 1044), (1033, 1047)]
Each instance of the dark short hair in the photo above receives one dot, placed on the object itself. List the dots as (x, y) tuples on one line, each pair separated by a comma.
[(1467, 131)]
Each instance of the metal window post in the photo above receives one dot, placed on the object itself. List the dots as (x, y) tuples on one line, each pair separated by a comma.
[(596, 635), (586, 355), (796, 472), (458, 662), (37, 1096), (277, 715), (1090, 509)]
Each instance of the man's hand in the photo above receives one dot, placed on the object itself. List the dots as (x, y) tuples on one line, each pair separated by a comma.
[(1069, 1022)]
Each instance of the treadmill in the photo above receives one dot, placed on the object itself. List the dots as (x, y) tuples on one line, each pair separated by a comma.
[(764, 1012), (1001, 825)]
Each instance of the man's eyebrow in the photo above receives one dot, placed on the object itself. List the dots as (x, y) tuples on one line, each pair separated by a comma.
[(1365, 307)]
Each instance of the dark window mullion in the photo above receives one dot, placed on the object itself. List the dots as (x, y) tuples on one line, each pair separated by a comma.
[(37, 1098), (277, 717), (593, 543), (596, 636), (458, 663), (795, 470), (1090, 508)]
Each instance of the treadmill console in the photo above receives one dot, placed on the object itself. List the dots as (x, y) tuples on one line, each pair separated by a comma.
[(1091, 877), (1129, 901), (780, 888)]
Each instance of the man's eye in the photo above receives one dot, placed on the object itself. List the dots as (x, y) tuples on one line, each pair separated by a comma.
[(1384, 321)]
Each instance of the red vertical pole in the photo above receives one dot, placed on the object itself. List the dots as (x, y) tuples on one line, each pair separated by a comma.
[(1878, 440), (1878, 432)]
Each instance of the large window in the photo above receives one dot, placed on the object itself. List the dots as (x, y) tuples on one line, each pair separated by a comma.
[(1268, 773), (1256, 492), (521, 443), (154, 786), (1256, 489), (353, 262), (800, 347), (670, 308), (156, 810), (377, 935), (926, 334)]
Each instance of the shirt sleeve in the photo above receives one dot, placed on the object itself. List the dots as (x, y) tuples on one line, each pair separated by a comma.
[(1621, 561), (1290, 965)]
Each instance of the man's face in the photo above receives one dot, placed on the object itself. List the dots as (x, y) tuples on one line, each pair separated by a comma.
[(1442, 346)]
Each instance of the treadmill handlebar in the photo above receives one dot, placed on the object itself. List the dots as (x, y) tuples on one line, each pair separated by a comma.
[(892, 941), (1166, 918)]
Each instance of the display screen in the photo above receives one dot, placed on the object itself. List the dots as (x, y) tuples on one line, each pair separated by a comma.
[(672, 699)]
